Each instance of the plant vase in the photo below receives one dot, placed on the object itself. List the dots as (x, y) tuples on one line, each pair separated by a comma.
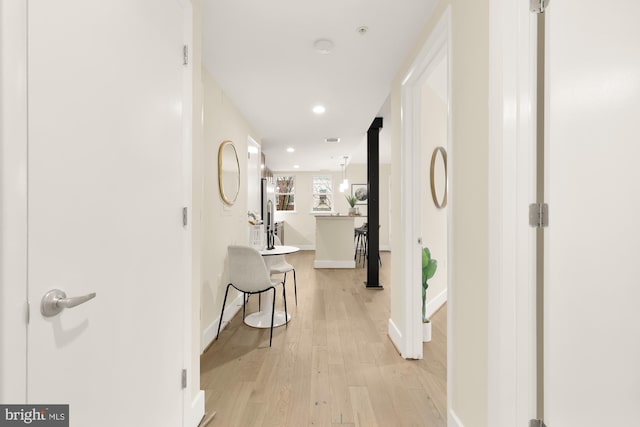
[(426, 331), (352, 203), (429, 267)]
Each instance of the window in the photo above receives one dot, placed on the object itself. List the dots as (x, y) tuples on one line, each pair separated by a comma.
[(285, 193), (322, 194)]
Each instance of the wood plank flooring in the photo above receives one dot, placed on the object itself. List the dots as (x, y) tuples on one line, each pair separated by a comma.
[(334, 364)]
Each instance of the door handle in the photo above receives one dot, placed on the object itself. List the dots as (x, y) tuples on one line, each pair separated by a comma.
[(54, 301)]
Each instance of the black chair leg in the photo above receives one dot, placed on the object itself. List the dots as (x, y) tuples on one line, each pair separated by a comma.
[(359, 247), (295, 286), (244, 305), (366, 249), (259, 301), (273, 312), (284, 296), (224, 302)]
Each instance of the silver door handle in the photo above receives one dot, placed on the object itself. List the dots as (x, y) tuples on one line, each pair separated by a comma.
[(54, 301)]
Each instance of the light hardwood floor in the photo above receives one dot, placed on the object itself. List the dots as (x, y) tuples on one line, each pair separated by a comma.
[(334, 364)]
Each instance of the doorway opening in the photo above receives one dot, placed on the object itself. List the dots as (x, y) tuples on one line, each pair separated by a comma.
[(426, 131)]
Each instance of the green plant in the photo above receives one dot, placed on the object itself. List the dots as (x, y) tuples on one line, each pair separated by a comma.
[(352, 200), (429, 267)]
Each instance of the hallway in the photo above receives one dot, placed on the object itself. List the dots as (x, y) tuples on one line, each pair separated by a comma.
[(333, 365)]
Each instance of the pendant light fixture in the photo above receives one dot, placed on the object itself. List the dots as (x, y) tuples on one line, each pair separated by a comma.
[(345, 182)]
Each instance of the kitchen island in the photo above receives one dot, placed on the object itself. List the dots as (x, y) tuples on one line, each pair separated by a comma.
[(334, 241)]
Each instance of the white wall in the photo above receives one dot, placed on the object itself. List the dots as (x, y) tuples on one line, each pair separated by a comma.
[(300, 226), (221, 225), (468, 160), (434, 220)]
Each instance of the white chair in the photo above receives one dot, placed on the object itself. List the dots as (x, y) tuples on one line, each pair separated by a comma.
[(248, 274), (280, 266)]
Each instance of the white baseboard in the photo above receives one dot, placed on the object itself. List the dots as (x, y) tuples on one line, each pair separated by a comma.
[(334, 264), (385, 248), (436, 303), (209, 333), (197, 410), (396, 336), (453, 420)]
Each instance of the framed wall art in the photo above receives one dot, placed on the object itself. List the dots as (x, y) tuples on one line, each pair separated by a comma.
[(361, 193)]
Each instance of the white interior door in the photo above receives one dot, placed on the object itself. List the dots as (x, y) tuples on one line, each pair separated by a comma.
[(592, 290), (105, 202)]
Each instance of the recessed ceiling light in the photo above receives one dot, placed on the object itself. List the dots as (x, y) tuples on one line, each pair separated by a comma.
[(323, 46), (332, 140), (290, 150), (319, 109), (296, 166)]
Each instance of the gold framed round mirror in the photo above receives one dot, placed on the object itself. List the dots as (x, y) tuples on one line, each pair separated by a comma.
[(438, 177), (228, 172)]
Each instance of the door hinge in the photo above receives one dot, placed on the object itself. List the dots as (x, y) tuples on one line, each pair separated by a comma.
[(185, 55), (537, 423), (538, 6), (185, 216), (28, 313), (539, 215), (184, 378)]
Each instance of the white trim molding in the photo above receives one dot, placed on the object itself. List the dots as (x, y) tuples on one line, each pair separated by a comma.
[(395, 335), (435, 304), (453, 420), (209, 334), (433, 51), (190, 412), (13, 202), (511, 323), (197, 410)]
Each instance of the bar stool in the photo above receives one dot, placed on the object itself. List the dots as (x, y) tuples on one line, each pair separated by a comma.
[(360, 237), (362, 245)]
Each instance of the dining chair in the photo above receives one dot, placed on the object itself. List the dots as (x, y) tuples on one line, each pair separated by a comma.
[(248, 274), (279, 265)]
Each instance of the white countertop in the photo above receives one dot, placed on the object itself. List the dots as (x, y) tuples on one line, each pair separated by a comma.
[(336, 216)]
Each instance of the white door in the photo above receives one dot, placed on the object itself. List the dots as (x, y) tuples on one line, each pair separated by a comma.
[(592, 280), (104, 215)]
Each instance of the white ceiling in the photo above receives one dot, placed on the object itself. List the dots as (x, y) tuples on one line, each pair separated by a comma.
[(262, 55)]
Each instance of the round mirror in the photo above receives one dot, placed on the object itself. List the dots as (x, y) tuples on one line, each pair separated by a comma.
[(228, 172), (439, 177)]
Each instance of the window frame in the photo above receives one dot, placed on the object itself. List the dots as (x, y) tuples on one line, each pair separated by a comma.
[(291, 193), (330, 194)]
